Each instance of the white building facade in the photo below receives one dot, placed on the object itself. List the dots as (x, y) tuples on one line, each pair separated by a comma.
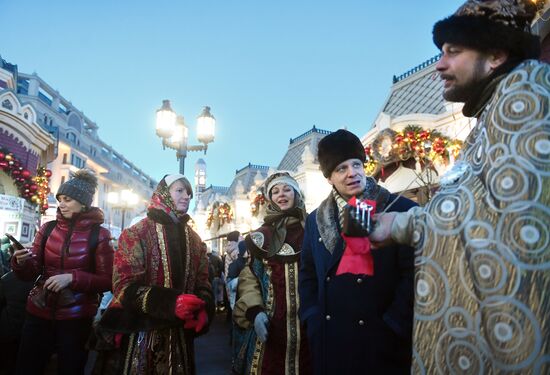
[(75, 144)]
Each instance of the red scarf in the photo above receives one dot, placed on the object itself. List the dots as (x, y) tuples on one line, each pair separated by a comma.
[(357, 258)]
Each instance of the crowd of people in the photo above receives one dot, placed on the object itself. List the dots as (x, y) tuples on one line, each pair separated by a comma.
[(456, 286)]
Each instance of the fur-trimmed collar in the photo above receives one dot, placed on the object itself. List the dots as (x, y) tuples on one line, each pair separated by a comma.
[(327, 213)]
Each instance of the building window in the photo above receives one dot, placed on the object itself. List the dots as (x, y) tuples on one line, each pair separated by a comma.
[(23, 86), (7, 104), (62, 109), (44, 96), (75, 122), (77, 161), (71, 137)]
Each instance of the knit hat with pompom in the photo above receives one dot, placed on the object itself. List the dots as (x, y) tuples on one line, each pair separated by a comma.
[(81, 187)]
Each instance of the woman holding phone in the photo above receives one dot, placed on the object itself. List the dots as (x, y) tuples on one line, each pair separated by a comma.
[(71, 260)]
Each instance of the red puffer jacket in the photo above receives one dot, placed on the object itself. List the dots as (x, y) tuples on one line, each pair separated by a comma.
[(66, 251)]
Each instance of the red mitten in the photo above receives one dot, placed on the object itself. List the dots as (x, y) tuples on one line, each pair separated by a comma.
[(198, 323), (190, 324), (187, 304), (118, 340)]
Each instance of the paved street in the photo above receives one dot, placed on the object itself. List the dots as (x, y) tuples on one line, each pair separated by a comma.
[(212, 351)]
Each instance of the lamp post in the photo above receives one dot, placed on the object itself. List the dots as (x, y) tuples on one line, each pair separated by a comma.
[(174, 133), (125, 199)]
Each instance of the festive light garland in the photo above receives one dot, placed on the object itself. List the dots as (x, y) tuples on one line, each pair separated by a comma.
[(259, 200), (223, 215), (411, 142), (34, 189), (42, 181)]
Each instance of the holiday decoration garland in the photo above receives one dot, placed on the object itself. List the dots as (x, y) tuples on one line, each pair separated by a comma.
[(413, 141), (258, 201), (221, 213), (34, 189)]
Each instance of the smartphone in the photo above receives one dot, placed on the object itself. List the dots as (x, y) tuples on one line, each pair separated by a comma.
[(15, 243)]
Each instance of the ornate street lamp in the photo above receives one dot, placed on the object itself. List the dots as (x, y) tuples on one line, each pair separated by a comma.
[(175, 134), (123, 200)]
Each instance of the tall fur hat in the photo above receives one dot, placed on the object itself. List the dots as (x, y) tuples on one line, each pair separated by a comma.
[(81, 187), (486, 25), (338, 147)]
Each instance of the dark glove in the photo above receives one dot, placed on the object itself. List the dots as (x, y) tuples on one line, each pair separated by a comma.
[(358, 218)]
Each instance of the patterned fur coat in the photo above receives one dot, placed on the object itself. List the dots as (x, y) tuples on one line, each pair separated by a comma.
[(158, 259)]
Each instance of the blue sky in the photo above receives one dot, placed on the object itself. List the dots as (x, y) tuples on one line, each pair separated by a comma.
[(269, 70)]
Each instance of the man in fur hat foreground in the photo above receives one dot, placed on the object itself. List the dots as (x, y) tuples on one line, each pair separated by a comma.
[(357, 306), (483, 261)]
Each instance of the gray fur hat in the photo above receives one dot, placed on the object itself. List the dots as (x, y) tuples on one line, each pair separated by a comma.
[(81, 187)]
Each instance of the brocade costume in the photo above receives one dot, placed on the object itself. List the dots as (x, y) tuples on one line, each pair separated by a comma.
[(482, 300), (270, 284), (158, 259)]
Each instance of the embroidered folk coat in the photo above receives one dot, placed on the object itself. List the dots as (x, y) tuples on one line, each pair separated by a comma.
[(157, 260), (270, 284)]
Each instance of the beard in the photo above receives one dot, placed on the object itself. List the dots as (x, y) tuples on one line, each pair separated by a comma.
[(463, 92)]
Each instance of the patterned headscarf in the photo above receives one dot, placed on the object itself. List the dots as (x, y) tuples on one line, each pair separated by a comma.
[(162, 201), (281, 219)]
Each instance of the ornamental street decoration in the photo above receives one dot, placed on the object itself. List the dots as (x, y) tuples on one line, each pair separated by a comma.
[(424, 145), (34, 189), (259, 200), (220, 214)]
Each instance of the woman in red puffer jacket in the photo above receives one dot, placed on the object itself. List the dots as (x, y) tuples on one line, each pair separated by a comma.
[(70, 273)]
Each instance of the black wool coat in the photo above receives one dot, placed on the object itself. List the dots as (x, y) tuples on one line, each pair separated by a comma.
[(356, 324)]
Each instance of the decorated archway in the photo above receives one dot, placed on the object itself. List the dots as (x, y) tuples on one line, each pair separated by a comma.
[(425, 151)]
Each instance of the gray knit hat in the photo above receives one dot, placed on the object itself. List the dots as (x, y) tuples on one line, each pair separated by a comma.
[(81, 187)]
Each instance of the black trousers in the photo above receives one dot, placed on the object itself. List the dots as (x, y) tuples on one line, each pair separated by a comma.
[(41, 338)]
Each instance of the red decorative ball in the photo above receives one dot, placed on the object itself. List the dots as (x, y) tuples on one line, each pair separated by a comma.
[(2, 156), (48, 173), (25, 173), (45, 206), (33, 187), (16, 172)]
